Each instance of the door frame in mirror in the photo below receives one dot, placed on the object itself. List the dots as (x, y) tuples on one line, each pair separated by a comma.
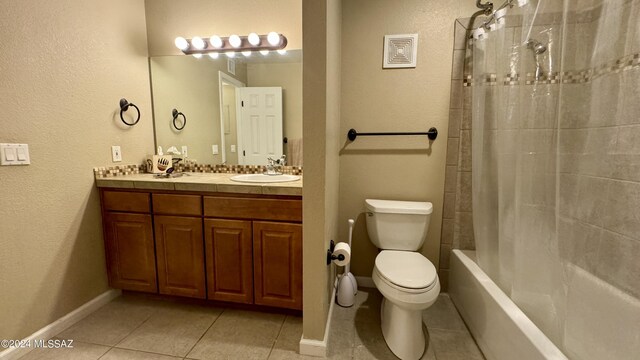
[(226, 78)]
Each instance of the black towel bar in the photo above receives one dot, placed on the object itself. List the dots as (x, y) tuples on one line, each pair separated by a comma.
[(432, 134)]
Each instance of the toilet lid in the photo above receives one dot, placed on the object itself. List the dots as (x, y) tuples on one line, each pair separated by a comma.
[(406, 269)]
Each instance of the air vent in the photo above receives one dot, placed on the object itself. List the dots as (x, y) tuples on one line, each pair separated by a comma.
[(400, 51)]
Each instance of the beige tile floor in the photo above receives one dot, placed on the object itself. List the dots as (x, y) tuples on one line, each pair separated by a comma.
[(140, 328)]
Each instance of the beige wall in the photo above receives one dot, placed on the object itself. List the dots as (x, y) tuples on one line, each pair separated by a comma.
[(332, 128), (321, 116), (373, 99), (289, 77), (168, 19), (190, 85), (65, 65)]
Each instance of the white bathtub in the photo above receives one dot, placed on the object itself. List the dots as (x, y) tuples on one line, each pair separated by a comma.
[(500, 328)]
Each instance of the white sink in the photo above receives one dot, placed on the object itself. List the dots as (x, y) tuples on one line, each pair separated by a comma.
[(262, 178)]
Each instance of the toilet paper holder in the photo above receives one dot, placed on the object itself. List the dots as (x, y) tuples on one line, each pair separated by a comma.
[(330, 256)]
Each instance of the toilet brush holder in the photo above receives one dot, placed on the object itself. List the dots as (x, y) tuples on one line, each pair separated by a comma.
[(345, 295)]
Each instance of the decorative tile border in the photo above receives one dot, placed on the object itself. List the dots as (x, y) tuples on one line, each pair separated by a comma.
[(122, 170), (511, 79), (118, 170), (576, 77), (548, 78), (566, 77), (467, 81), (615, 66), (234, 169)]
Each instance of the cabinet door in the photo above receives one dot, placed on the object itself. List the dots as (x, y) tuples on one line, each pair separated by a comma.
[(277, 254), (180, 253), (131, 262), (229, 260)]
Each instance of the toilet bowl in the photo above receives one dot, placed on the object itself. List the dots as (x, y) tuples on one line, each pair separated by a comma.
[(402, 306), (407, 280)]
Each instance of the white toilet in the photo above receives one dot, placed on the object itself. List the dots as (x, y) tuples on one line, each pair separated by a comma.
[(407, 280)]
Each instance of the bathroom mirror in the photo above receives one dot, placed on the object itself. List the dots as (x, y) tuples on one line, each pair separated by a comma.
[(209, 94)]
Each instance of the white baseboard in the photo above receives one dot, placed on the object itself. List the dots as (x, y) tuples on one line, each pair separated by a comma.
[(315, 348), (62, 324), (318, 348), (365, 281)]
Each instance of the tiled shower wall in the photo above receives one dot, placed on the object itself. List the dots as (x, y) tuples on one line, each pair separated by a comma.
[(599, 146), (599, 131), (457, 222)]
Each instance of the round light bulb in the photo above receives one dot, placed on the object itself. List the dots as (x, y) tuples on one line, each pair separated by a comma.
[(264, 52), (198, 43), (246, 53), (235, 41), (216, 41), (182, 43), (273, 38), (254, 39), (214, 55), (230, 54), (282, 51), (197, 56)]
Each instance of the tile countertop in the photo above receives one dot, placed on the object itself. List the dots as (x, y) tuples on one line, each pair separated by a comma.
[(208, 182)]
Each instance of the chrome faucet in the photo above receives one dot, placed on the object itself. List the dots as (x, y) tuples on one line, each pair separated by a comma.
[(273, 165)]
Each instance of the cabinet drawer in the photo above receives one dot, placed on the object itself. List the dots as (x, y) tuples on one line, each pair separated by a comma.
[(169, 204), (253, 208), (126, 201)]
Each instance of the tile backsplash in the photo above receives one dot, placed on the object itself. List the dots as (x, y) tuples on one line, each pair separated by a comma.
[(121, 170), (117, 170)]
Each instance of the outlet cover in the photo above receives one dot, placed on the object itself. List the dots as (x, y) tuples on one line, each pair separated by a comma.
[(116, 154)]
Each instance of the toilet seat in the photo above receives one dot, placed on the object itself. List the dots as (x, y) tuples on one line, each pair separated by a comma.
[(406, 271)]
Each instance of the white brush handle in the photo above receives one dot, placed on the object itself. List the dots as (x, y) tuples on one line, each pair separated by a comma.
[(351, 223)]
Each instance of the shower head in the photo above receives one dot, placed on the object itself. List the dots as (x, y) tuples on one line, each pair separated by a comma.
[(537, 47)]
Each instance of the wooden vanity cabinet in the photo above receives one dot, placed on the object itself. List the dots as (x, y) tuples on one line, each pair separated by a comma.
[(226, 247), (229, 260), (179, 245), (129, 244), (180, 256), (276, 242), (277, 264)]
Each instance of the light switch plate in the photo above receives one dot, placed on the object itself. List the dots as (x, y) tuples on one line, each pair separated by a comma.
[(214, 149), (185, 151), (116, 154), (233, 148), (14, 154)]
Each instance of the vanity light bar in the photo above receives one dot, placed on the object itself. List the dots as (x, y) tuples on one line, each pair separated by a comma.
[(188, 47)]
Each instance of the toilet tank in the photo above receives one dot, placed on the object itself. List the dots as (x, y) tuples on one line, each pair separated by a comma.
[(398, 225)]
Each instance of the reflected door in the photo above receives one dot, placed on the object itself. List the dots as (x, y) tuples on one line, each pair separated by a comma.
[(260, 125)]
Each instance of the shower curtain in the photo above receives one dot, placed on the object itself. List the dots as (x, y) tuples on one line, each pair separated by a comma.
[(556, 169)]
